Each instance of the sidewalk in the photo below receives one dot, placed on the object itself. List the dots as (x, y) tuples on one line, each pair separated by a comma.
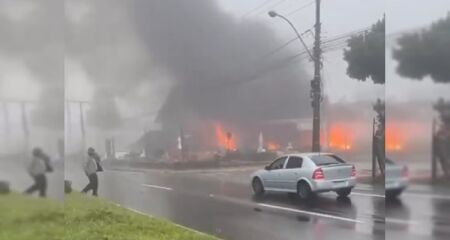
[(419, 172)]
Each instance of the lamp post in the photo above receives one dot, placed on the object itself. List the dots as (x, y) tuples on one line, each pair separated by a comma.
[(275, 14), (316, 84)]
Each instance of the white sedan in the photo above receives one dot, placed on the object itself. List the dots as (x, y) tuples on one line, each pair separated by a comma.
[(396, 179), (306, 174)]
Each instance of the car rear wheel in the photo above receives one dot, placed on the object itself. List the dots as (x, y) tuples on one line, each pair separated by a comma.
[(304, 190), (258, 188), (344, 192), (391, 194)]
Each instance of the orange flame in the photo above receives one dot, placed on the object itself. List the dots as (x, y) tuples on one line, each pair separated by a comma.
[(340, 136), (224, 139), (394, 138), (271, 146)]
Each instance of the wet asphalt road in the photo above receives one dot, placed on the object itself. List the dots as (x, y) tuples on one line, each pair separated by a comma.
[(422, 212), (221, 203)]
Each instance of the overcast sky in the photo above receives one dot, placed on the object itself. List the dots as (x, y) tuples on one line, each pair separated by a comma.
[(342, 16), (338, 17)]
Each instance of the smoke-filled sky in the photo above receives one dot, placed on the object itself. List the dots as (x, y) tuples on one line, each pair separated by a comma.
[(31, 52), (193, 53), (134, 54), (31, 70), (188, 53)]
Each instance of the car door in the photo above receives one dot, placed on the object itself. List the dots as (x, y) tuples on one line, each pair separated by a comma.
[(271, 175), (291, 173)]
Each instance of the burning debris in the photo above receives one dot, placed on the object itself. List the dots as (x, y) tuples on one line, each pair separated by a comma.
[(341, 136), (225, 139), (272, 146), (394, 137)]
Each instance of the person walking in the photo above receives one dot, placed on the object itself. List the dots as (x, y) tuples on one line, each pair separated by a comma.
[(90, 169), (39, 165), (92, 153)]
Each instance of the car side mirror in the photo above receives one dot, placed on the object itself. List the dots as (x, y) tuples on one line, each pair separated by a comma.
[(267, 168)]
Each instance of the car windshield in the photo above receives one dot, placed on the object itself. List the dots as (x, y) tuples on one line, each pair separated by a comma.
[(322, 160)]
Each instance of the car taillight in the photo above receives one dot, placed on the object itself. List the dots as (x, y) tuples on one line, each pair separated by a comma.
[(405, 172), (318, 174), (353, 171)]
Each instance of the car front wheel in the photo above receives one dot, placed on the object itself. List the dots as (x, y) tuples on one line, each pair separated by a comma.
[(258, 188)]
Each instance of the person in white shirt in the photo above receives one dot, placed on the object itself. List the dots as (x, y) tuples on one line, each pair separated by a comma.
[(90, 169), (37, 170)]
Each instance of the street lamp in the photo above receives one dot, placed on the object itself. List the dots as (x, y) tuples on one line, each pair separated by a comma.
[(274, 14), (316, 92)]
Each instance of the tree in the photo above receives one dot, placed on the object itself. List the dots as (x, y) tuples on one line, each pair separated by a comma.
[(443, 108), (366, 54), (426, 53)]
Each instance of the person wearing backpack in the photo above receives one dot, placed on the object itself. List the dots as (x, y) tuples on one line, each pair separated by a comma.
[(39, 165), (92, 153), (90, 169)]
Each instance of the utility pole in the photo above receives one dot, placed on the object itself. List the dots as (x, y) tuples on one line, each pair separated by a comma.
[(82, 128), (69, 119), (316, 83), (24, 118), (6, 123), (26, 131), (82, 125)]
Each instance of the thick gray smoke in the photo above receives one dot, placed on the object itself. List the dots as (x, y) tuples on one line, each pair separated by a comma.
[(215, 62), (219, 64), (37, 41), (103, 41)]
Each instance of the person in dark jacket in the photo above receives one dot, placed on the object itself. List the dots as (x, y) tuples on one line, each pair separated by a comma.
[(90, 169), (39, 165)]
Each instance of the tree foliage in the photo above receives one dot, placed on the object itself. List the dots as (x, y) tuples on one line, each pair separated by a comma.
[(366, 54), (426, 53)]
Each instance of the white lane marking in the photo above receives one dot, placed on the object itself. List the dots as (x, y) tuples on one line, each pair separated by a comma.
[(364, 188), (136, 211), (427, 195), (176, 224), (311, 213), (400, 221), (157, 187), (278, 207), (367, 194)]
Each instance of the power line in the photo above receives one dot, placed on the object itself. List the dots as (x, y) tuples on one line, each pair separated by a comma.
[(330, 44), (300, 8), (343, 37), (347, 35), (256, 8), (284, 45), (271, 6), (280, 48)]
